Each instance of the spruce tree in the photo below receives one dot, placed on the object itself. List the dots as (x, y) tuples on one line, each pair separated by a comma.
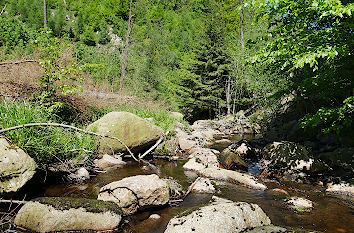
[(203, 79)]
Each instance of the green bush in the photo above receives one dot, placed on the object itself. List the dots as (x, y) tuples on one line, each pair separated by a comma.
[(13, 33), (45, 144)]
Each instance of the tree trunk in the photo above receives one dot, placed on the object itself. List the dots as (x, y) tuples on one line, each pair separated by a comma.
[(242, 29), (126, 48), (45, 13), (228, 95)]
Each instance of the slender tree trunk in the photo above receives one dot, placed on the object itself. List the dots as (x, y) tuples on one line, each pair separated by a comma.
[(228, 95), (45, 13), (242, 29), (126, 48)]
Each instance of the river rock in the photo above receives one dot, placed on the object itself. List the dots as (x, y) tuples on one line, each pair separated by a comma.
[(232, 176), (81, 174), (299, 204), (203, 185), (108, 161), (135, 192), (201, 158), (134, 131), (175, 189), (342, 188), (16, 167), (51, 214), (222, 216), (267, 229), (290, 158), (231, 160), (176, 115)]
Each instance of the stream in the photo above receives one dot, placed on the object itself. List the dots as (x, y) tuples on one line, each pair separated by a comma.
[(330, 213)]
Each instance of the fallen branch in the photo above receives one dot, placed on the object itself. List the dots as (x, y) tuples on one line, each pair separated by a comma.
[(154, 146), (3, 10), (190, 188), (68, 127), (13, 201), (16, 62)]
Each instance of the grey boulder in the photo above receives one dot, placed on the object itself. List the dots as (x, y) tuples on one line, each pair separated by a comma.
[(135, 192), (220, 216)]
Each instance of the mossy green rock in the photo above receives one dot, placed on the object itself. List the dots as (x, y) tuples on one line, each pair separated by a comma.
[(134, 131), (16, 167), (51, 214)]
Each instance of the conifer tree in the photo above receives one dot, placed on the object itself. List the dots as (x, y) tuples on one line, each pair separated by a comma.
[(204, 76)]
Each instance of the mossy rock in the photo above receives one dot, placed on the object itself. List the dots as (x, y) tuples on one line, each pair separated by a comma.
[(232, 161), (53, 214), (135, 132), (91, 205)]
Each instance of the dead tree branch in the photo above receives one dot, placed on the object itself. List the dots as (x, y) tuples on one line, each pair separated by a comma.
[(3, 10), (68, 127), (16, 62), (154, 146)]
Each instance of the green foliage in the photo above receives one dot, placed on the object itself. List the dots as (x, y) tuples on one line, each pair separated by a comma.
[(332, 119), (45, 145), (312, 44), (13, 34)]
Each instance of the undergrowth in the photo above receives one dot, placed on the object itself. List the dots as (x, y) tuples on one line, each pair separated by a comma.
[(45, 144)]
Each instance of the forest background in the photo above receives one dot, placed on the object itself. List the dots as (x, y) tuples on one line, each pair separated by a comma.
[(205, 58)]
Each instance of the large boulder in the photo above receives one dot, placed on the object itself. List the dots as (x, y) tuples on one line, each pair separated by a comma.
[(16, 167), (232, 176), (135, 192), (135, 132), (51, 214), (289, 158), (222, 216)]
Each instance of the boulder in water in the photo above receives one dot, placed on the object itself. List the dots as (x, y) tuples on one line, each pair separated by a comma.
[(222, 216), (135, 192), (232, 176), (50, 214)]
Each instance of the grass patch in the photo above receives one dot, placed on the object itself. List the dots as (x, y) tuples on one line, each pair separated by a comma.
[(45, 144)]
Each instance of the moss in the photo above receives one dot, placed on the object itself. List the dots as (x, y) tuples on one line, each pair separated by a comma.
[(215, 185), (300, 210), (91, 205)]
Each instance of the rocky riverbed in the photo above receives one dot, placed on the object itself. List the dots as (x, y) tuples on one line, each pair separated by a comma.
[(214, 174)]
